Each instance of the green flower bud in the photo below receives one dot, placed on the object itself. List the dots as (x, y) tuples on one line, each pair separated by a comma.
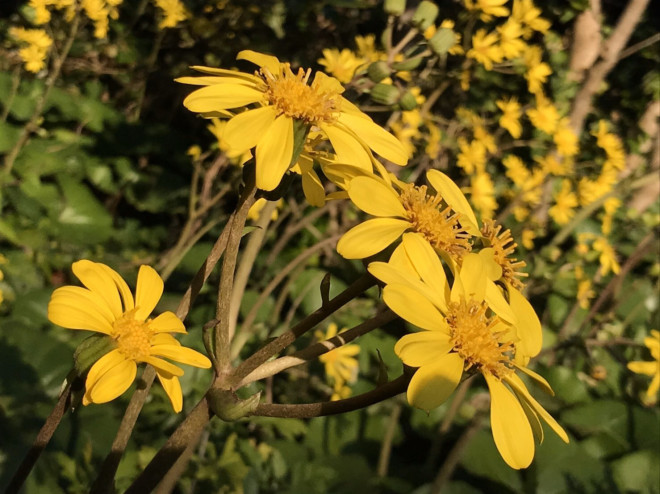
[(442, 40), (385, 94), (378, 71), (395, 7), (90, 350), (425, 15), (410, 64), (408, 101)]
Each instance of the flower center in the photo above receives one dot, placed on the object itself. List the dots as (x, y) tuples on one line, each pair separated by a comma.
[(503, 245), (290, 94), (474, 338), (439, 227), (133, 337)]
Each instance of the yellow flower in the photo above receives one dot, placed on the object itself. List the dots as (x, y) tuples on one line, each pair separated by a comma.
[(650, 368), (585, 293), (434, 140), (410, 207), (482, 136), (482, 194), (41, 12), (38, 43), (611, 144), (610, 206), (341, 64), (565, 204), (107, 306), (255, 209), (489, 8), (511, 113), (367, 48), (551, 165), (565, 139), (607, 256), (528, 237), (472, 156), (545, 116), (485, 49), (510, 42), (341, 366), (463, 329), (529, 16), (537, 71), (173, 13), (516, 170), (218, 128), (284, 101)]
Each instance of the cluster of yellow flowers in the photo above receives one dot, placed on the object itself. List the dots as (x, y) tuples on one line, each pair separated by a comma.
[(341, 366), (173, 13), (36, 43)]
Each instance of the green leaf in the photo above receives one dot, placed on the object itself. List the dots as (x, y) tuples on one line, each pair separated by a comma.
[(83, 219), (637, 472)]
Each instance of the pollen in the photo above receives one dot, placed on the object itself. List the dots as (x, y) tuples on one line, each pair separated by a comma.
[(291, 95), (440, 227), (133, 337), (475, 339), (503, 245)]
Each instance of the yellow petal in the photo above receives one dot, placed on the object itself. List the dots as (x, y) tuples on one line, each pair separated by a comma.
[(639, 367), (433, 383), (167, 322), (148, 292), (164, 366), (370, 237), (540, 380), (234, 74), (473, 278), (124, 290), (453, 196), (327, 84), (274, 153), (493, 270), (428, 265), (376, 138), (413, 307), (97, 279), (182, 354), (418, 349), (375, 198), (163, 339), (313, 189), (262, 60), (528, 326), (521, 390), (211, 80), (113, 383), (511, 430), (654, 386), (498, 303), (221, 97), (75, 307), (172, 387), (246, 129), (109, 361), (534, 421), (347, 147)]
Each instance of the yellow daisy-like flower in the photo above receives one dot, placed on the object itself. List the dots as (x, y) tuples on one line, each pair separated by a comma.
[(565, 203), (565, 139), (485, 49), (489, 8), (607, 256), (107, 306), (537, 70), (280, 101), (510, 42), (511, 113), (37, 43), (463, 330), (650, 368), (341, 366), (409, 207), (529, 16), (173, 13), (341, 64), (545, 116)]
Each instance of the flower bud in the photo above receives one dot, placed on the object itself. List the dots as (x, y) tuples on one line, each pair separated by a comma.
[(408, 101), (378, 71), (442, 41), (410, 64), (425, 15), (395, 7), (385, 94), (90, 351)]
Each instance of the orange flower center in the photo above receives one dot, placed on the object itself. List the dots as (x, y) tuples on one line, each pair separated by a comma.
[(290, 94), (133, 337), (475, 339), (439, 226), (503, 245)]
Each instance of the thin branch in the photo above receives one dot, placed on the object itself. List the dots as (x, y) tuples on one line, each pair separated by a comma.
[(388, 438)]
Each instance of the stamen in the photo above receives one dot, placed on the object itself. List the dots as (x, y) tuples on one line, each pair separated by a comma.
[(504, 246), (441, 228), (133, 337)]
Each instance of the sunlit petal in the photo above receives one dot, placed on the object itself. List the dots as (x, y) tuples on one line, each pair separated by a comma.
[(172, 387), (221, 97), (245, 130), (528, 325), (377, 138), (97, 279), (182, 354), (370, 237), (167, 322), (113, 383), (433, 383), (418, 349), (348, 149), (261, 59), (453, 196), (375, 198), (413, 307), (148, 292), (274, 153)]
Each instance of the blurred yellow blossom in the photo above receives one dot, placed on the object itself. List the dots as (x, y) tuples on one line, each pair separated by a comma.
[(38, 43), (552, 165), (537, 70), (545, 116), (483, 137), (510, 43), (255, 209), (527, 238), (651, 368), (341, 366), (173, 13), (516, 169), (485, 49), (341, 64), (472, 156), (565, 139), (511, 113), (529, 16), (482, 194), (434, 140), (489, 8), (607, 257), (565, 204), (585, 293)]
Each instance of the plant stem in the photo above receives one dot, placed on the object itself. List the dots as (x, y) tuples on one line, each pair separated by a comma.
[(386, 445)]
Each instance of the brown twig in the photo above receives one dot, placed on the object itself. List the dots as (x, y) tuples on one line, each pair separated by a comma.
[(388, 438)]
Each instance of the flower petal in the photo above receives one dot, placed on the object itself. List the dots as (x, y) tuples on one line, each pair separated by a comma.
[(124, 290), (167, 322), (376, 138), (182, 354), (428, 265), (375, 198), (473, 278), (347, 147), (528, 325), (370, 237), (75, 307), (511, 430), (221, 97), (413, 307), (113, 383), (498, 303), (110, 360), (234, 74), (262, 60), (214, 79), (433, 383), (163, 339), (640, 367), (172, 387), (539, 379), (148, 292), (246, 129), (453, 196), (274, 153), (164, 366), (97, 279), (419, 349), (313, 188)]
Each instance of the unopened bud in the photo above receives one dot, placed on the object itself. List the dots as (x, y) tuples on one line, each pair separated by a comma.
[(378, 71), (425, 15), (442, 41), (90, 351), (410, 64), (395, 7), (408, 101), (385, 94)]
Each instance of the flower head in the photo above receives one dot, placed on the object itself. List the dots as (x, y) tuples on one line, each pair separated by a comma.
[(341, 366), (485, 49), (107, 306), (651, 368), (341, 64), (282, 107)]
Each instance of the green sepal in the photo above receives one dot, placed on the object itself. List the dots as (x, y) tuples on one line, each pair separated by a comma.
[(90, 350), (300, 132), (229, 407)]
